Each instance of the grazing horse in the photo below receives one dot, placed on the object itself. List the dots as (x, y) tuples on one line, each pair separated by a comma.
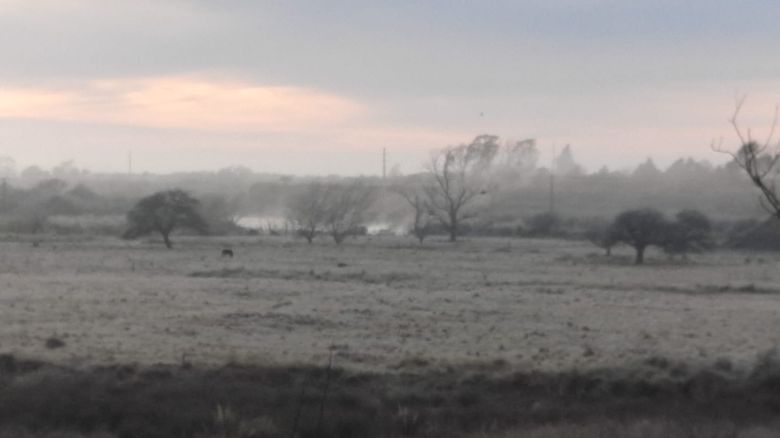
[(227, 253)]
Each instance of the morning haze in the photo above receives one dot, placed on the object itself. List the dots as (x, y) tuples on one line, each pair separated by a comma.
[(199, 86), (349, 219)]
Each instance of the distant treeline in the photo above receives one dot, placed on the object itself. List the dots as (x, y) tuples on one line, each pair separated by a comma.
[(520, 191)]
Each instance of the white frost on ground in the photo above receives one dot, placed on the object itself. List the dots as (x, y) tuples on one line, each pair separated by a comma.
[(534, 304)]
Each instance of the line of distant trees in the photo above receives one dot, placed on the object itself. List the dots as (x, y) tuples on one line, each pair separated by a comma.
[(30, 210), (55, 206), (457, 195), (484, 187), (520, 185)]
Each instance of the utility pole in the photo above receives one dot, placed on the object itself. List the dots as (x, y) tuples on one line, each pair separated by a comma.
[(129, 162), (384, 163), (552, 181)]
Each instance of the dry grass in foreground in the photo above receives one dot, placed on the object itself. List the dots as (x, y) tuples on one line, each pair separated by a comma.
[(657, 398)]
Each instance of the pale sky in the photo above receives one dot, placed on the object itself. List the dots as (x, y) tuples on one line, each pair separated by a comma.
[(320, 87)]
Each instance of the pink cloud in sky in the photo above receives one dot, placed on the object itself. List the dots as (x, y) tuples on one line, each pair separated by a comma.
[(230, 120), (186, 102), (31, 102)]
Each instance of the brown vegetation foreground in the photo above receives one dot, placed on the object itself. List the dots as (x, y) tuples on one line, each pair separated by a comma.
[(656, 398)]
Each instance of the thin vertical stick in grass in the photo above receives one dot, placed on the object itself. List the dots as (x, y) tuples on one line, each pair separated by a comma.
[(325, 392), (299, 409)]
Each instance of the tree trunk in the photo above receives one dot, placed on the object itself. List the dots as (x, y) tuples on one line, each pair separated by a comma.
[(640, 255), (168, 243), (453, 229), (453, 226)]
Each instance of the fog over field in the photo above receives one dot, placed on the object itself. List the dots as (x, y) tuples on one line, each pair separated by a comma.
[(350, 219)]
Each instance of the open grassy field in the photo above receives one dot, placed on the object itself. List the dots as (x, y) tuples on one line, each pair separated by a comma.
[(382, 303), (541, 338)]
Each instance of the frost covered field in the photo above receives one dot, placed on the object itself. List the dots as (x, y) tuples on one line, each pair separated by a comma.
[(381, 304)]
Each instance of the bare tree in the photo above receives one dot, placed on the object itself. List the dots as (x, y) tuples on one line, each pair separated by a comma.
[(347, 207), (522, 155), (308, 210), (421, 220), (758, 160), (458, 177)]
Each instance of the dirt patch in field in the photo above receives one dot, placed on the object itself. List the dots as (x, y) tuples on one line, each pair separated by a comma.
[(312, 275)]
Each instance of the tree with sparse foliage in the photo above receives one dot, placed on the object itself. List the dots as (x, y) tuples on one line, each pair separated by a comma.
[(307, 210), (458, 176), (421, 216), (346, 209), (640, 229), (516, 163), (163, 212), (603, 235)]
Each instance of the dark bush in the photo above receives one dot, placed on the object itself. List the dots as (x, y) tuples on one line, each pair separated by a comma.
[(544, 225), (640, 229), (690, 232)]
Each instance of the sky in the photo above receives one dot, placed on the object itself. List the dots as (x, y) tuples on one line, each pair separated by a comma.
[(322, 87)]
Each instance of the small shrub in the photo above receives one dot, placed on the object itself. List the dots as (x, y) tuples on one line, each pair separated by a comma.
[(724, 364), (544, 225), (54, 342)]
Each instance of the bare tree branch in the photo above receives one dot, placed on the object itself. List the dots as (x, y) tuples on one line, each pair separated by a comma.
[(415, 196), (758, 160), (457, 175)]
